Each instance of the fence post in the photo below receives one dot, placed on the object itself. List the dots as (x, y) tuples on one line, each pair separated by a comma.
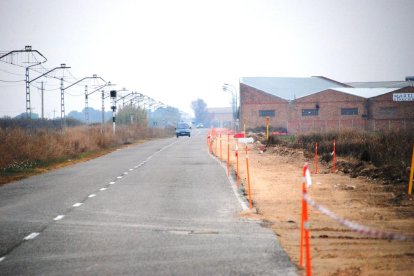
[(237, 162), (304, 235), (334, 156), (316, 158), (221, 149), (410, 183), (248, 179), (228, 154)]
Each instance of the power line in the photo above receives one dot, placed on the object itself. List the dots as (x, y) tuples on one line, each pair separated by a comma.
[(12, 81), (5, 71)]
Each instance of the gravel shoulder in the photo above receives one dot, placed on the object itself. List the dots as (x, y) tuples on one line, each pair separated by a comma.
[(276, 191)]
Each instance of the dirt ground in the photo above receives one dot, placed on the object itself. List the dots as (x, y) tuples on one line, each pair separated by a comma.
[(276, 180)]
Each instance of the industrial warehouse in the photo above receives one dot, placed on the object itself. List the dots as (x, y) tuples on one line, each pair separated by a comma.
[(298, 105)]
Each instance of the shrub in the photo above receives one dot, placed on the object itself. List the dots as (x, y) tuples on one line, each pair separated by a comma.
[(22, 149)]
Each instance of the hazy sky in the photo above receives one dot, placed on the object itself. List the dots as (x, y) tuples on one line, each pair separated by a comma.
[(177, 50)]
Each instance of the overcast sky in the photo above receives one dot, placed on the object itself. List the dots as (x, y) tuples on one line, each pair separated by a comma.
[(177, 51)]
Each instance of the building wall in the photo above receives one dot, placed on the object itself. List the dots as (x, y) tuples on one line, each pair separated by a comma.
[(387, 114), (335, 111), (256, 105)]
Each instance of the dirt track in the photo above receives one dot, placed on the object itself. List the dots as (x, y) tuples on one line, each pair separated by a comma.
[(276, 191)]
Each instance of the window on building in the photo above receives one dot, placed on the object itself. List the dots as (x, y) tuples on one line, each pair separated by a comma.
[(389, 111), (310, 112), (267, 113), (349, 111)]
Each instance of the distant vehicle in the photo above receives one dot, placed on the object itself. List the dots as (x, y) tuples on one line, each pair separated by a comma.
[(183, 129), (199, 126)]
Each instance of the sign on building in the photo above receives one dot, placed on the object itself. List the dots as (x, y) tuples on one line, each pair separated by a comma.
[(403, 97)]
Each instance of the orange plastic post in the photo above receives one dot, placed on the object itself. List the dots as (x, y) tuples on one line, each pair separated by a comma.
[(237, 167), (316, 158), (304, 235), (334, 156), (267, 128), (221, 149), (215, 141), (228, 159), (410, 183), (248, 179), (301, 230), (307, 238)]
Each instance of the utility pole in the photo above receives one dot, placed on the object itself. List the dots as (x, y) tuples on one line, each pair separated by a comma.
[(62, 104), (43, 102), (86, 106), (62, 95), (27, 49), (103, 111)]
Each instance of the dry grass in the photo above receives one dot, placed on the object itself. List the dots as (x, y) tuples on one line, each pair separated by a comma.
[(23, 150), (389, 152)]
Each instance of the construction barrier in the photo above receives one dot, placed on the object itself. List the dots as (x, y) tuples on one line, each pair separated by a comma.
[(304, 227), (361, 229), (228, 154), (410, 182), (316, 158), (334, 156), (248, 178)]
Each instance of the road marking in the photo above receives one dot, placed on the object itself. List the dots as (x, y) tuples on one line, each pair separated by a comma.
[(31, 236), (2, 259), (59, 217), (125, 173), (102, 189), (91, 195), (111, 183), (232, 184), (136, 167), (77, 204), (119, 177), (131, 170)]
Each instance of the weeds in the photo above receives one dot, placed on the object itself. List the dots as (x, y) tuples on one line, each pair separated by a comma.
[(389, 152), (24, 149)]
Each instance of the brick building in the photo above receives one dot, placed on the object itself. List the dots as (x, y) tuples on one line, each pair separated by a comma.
[(320, 104), (220, 116)]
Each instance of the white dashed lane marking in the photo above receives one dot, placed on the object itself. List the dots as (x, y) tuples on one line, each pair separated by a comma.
[(91, 195), (77, 204), (31, 236), (2, 259), (59, 217), (119, 177), (103, 189), (111, 183)]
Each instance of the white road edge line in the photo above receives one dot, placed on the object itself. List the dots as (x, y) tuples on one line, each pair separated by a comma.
[(31, 236), (233, 184), (77, 204), (59, 217)]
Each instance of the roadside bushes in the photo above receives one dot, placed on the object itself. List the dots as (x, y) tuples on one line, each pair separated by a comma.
[(389, 152), (22, 149)]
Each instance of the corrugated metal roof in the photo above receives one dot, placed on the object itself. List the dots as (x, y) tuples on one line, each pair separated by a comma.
[(380, 84), (220, 110), (366, 92), (290, 88)]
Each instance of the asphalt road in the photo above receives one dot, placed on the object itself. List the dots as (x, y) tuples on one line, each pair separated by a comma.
[(164, 207)]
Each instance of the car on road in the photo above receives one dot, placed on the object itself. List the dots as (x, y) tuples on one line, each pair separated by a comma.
[(183, 129)]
